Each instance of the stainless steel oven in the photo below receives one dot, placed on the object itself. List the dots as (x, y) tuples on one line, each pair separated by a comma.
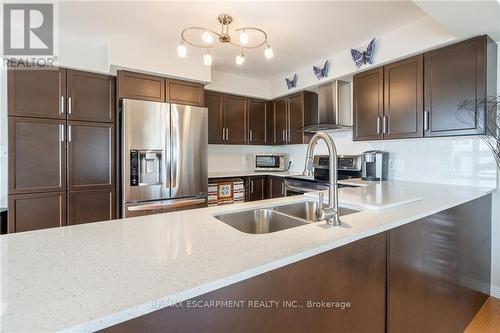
[(271, 162)]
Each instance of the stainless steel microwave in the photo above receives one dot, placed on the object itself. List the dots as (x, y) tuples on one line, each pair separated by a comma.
[(271, 162)]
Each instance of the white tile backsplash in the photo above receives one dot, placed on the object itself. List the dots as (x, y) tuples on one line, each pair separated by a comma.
[(455, 160)]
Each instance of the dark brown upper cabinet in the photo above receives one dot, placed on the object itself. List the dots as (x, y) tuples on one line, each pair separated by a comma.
[(453, 74), (280, 123), (37, 155), (37, 93), (368, 104), (216, 130), (257, 113), (36, 211), (184, 92), (295, 119), (90, 97), (141, 86), (91, 206), (289, 117), (227, 118), (90, 155), (234, 119), (403, 99)]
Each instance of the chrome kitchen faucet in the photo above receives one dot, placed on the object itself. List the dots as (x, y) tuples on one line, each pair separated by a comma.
[(330, 213)]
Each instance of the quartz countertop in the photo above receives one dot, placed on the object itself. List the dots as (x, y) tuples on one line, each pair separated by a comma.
[(91, 276)]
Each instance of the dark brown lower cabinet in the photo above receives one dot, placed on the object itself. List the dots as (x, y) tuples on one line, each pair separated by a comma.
[(91, 206), (36, 211), (255, 188), (439, 269), (275, 187), (354, 274)]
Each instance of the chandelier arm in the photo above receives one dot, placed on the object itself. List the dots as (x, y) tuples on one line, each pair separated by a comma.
[(250, 47), (203, 46)]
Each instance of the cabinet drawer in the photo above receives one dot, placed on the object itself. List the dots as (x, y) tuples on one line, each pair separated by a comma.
[(36, 211), (183, 92), (141, 86), (91, 206)]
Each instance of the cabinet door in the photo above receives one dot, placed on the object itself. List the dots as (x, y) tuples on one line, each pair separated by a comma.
[(90, 155), (37, 155), (234, 119), (184, 92), (270, 121), (36, 211), (280, 121), (257, 114), (295, 119), (368, 96), (141, 86), (454, 74), (91, 96), (256, 188), (403, 99), (213, 102), (91, 206), (276, 187), (37, 93)]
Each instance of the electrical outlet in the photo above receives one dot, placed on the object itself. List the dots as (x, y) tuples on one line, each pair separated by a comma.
[(396, 165)]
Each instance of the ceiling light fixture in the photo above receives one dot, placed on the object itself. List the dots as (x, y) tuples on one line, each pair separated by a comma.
[(207, 36)]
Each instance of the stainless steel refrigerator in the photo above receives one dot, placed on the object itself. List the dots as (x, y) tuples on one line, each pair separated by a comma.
[(164, 157)]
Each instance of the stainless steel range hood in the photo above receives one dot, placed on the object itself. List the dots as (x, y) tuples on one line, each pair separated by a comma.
[(334, 108)]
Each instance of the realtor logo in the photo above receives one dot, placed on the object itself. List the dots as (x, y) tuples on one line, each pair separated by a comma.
[(28, 29)]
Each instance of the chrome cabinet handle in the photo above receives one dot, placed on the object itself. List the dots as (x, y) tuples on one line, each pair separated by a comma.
[(69, 133), (69, 105), (282, 189), (62, 132), (379, 120), (251, 135), (251, 186), (223, 134), (62, 104), (283, 138), (426, 120), (227, 134), (385, 125)]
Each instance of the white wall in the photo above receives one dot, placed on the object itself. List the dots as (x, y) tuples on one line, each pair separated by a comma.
[(239, 84), (407, 40)]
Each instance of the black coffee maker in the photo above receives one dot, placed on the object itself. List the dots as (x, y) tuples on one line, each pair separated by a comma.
[(374, 165)]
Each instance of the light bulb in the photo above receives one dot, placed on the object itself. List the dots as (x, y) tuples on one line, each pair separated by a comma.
[(207, 37), (240, 59), (182, 50), (244, 38), (207, 59), (268, 52)]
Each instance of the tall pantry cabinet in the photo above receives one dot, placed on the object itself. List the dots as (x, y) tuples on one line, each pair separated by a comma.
[(61, 148)]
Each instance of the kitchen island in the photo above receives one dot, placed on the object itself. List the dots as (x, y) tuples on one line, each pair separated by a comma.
[(94, 276)]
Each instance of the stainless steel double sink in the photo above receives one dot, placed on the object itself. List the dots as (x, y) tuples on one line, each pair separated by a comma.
[(275, 218)]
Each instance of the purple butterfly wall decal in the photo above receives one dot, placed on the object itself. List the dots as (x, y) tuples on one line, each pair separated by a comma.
[(321, 72), (291, 83), (362, 58)]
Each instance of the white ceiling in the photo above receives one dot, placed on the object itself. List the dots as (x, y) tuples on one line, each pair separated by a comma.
[(301, 33)]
